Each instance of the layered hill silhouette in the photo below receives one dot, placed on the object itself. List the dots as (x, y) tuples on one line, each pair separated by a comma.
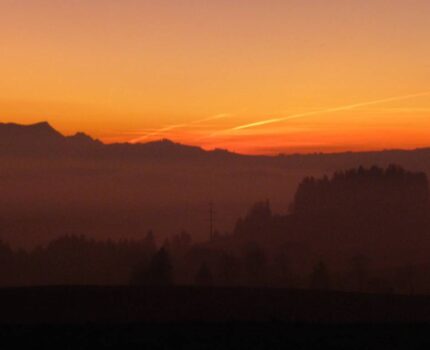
[(41, 139), (53, 184)]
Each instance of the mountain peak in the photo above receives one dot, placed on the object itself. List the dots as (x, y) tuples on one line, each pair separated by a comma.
[(29, 139), (41, 125), (82, 138), (169, 145), (164, 142), (41, 128)]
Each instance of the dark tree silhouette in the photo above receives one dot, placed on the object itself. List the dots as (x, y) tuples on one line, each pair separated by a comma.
[(320, 278), (204, 276), (255, 261), (256, 220), (180, 243), (282, 269), (160, 270), (362, 190), (370, 210), (149, 242), (359, 266), (230, 269)]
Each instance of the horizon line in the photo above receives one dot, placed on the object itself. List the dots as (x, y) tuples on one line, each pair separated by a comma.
[(179, 143)]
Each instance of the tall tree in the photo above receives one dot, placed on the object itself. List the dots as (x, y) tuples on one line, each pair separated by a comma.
[(204, 276), (159, 271), (320, 278)]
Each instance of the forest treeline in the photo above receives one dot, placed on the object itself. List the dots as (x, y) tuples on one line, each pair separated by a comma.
[(364, 229)]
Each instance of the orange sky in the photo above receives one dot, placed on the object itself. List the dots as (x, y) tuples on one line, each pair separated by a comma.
[(197, 71)]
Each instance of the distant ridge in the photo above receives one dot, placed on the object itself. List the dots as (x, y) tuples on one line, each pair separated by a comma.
[(12, 132), (41, 139)]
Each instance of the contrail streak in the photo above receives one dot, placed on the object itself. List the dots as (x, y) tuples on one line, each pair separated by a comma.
[(328, 110), (176, 126)]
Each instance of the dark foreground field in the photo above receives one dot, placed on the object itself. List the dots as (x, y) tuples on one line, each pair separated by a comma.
[(70, 317), (192, 304)]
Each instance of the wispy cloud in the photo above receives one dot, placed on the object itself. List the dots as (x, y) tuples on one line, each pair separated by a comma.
[(321, 111), (406, 110), (162, 131)]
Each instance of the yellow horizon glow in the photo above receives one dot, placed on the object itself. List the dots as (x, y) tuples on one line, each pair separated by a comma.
[(250, 76)]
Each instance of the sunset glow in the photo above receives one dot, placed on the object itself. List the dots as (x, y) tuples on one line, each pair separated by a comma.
[(254, 76)]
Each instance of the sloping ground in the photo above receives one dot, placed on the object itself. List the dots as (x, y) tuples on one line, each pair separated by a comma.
[(127, 305)]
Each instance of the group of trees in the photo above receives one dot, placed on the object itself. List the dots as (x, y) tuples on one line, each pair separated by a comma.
[(392, 190), (77, 260), (382, 213), (74, 260), (335, 235)]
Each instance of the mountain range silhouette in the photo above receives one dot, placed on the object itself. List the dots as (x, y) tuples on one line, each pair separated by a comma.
[(41, 138), (54, 184)]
